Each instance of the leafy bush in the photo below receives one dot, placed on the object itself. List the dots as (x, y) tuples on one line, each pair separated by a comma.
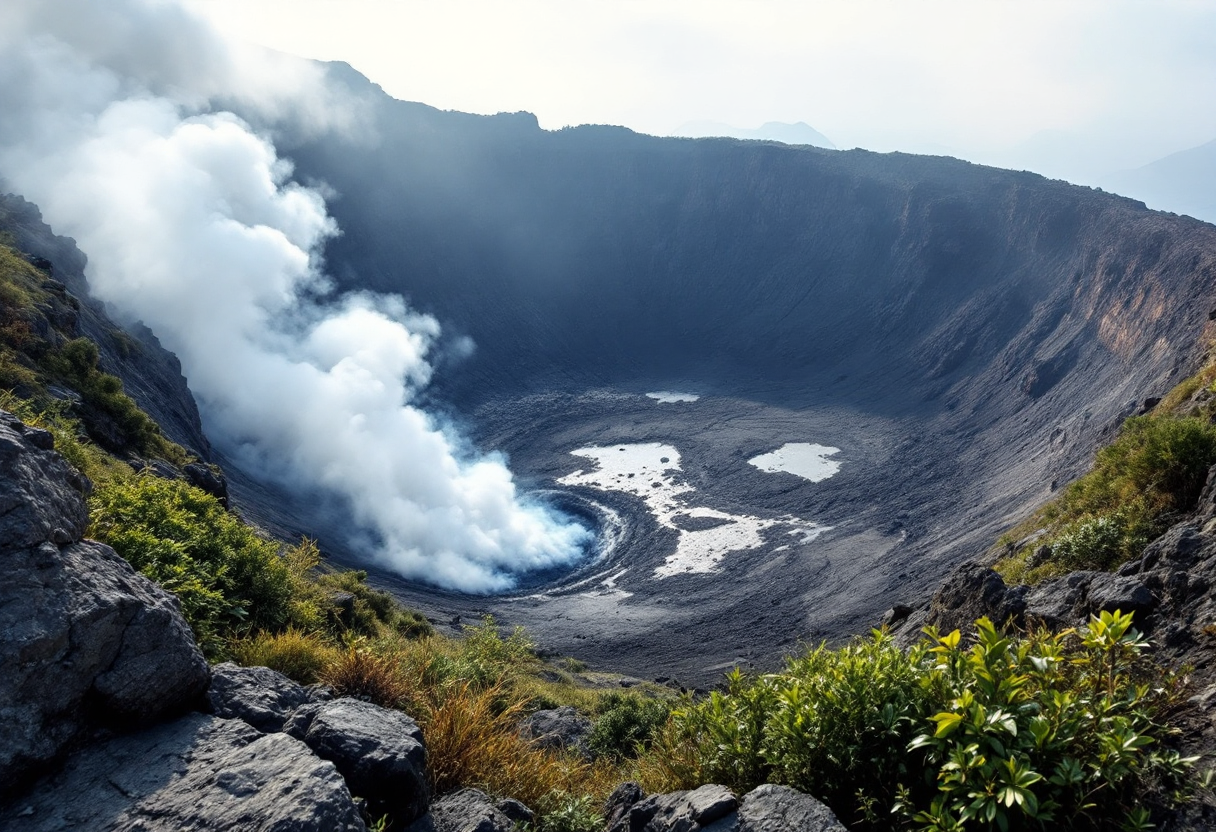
[(626, 724), (1054, 731), (226, 577), (1040, 732)]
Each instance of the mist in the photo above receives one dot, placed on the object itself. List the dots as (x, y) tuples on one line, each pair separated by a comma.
[(193, 224)]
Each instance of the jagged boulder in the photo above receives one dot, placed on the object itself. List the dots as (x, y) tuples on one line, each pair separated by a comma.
[(711, 808), (194, 773), (260, 696), (85, 641), (970, 592), (468, 810), (379, 752), (559, 729)]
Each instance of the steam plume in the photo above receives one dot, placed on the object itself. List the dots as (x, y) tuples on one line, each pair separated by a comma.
[(192, 224)]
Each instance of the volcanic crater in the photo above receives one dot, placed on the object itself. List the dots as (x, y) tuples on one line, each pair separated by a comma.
[(959, 338)]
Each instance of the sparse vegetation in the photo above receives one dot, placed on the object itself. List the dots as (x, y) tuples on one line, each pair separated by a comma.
[(1140, 484)]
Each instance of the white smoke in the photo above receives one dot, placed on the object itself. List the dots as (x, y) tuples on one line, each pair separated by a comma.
[(192, 224)]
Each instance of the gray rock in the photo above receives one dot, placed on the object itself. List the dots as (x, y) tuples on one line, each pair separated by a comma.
[(559, 729), (39, 492), (970, 592), (262, 697), (85, 641), (516, 811), (1071, 599), (770, 808), (379, 752), (1108, 593), (618, 804), (679, 811), (205, 478), (195, 773), (468, 810)]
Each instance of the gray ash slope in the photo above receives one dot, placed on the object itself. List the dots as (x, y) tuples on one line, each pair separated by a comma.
[(966, 335)]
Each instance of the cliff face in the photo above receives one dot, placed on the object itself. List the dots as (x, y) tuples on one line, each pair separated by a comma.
[(151, 375)]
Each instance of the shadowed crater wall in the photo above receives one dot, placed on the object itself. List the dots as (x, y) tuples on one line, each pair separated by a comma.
[(965, 335)]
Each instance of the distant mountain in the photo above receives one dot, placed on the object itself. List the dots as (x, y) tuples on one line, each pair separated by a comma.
[(1183, 182), (772, 131)]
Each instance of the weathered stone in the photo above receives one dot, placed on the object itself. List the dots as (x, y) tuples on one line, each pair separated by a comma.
[(197, 773), (39, 492), (1108, 593), (260, 696), (770, 808), (84, 640), (204, 478), (684, 811), (516, 811), (379, 752), (468, 810), (559, 729), (973, 591), (618, 804)]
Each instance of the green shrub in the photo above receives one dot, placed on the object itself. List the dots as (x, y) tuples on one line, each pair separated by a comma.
[(1053, 731), (227, 578), (565, 812), (1044, 731), (627, 724)]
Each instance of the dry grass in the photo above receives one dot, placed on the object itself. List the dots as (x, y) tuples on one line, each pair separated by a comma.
[(296, 654), (473, 741), (360, 672)]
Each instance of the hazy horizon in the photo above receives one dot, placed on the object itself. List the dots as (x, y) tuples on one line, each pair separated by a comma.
[(1080, 91)]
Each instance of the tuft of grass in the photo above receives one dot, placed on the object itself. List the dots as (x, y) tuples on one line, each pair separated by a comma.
[(363, 673), (299, 655)]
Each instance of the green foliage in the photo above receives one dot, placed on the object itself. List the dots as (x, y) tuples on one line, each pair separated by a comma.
[(227, 578), (565, 812), (297, 654), (626, 724), (1053, 731), (1036, 732)]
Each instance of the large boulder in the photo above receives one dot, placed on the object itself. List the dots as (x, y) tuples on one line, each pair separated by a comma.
[(260, 696), (85, 641), (770, 808), (378, 751), (197, 773), (767, 808), (559, 729), (467, 810), (970, 592)]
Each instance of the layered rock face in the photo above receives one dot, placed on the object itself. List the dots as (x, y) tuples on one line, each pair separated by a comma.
[(87, 643), (101, 674)]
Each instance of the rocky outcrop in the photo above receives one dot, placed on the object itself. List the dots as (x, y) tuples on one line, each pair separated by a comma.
[(379, 752), (560, 729), (262, 697), (767, 808), (85, 642), (468, 810), (195, 773)]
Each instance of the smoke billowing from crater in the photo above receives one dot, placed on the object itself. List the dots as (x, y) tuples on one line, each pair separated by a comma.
[(193, 225)]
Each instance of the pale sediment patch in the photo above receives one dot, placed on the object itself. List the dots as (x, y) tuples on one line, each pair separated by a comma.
[(651, 471), (802, 459), (671, 397)]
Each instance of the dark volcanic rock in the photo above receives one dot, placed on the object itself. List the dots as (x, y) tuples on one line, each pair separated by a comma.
[(560, 728), (379, 752), (970, 592), (684, 811), (84, 640), (262, 697), (197, 773), (468, 810), (770, 808)]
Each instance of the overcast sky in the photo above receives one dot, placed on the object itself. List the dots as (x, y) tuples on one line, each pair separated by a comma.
[(1076, 89)]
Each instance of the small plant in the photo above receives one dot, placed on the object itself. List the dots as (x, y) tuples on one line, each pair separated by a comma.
[(294, 653), (627, 724), (361, 672), (565, 812)]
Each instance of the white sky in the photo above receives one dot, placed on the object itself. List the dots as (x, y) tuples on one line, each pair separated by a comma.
[(1070, 88)]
